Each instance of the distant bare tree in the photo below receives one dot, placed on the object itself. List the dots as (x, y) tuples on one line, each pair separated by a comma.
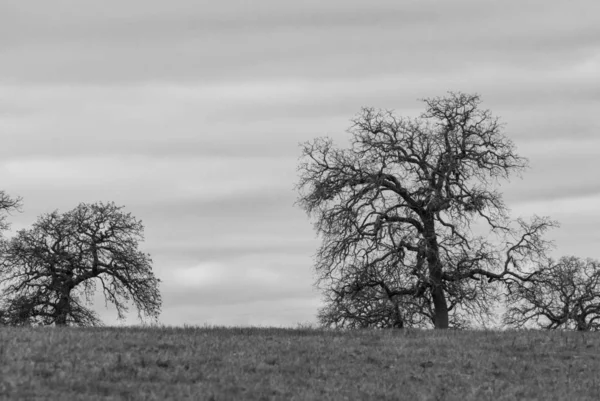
[(7, 205), (395, 211), (52, 269), (564, 294)]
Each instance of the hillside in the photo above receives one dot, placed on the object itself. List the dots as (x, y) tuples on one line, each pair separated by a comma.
[(296, 364)]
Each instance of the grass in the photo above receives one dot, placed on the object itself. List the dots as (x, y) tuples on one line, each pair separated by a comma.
[(296, 364)]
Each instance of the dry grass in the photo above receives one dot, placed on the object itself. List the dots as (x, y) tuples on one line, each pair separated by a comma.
[(296, 364)]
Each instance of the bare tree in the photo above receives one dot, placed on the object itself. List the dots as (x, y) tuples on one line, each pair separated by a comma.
[(564, 294), (7, 205), (51, 270), (396, 209)]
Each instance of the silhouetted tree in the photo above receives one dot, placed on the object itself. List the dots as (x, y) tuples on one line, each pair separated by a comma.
[(396, 210), (49, 271), (564, 294), (7, 205)]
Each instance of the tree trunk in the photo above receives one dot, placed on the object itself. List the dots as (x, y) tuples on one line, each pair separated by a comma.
[(581, 324), (398, 321), (62, 309), (440, 318), (440, 306)]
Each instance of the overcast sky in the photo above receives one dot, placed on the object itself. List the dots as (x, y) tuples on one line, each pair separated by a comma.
[(189, 113)]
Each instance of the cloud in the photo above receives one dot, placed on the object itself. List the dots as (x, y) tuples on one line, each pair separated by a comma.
[(286, 312), (268, 118), (562, 206), (247, 278), (274, 282), (187, 41), (153, 180), (262, 224)]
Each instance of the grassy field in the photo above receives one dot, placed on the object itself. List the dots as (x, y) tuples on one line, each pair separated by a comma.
[(296, 364)]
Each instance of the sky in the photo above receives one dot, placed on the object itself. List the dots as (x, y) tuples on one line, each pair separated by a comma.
[(189, 113)]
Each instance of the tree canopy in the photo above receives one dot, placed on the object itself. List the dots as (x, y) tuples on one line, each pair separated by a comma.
[(51, 271), (397, 212)]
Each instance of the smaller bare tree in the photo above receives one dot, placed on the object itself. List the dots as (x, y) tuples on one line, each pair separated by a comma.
[(51, 270), (564, 294)]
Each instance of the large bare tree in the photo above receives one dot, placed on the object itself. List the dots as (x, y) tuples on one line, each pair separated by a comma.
[(563, 294), (49, 272), (399, 211)]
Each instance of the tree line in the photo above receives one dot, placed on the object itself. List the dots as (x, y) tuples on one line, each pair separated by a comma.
[(415, 233)]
